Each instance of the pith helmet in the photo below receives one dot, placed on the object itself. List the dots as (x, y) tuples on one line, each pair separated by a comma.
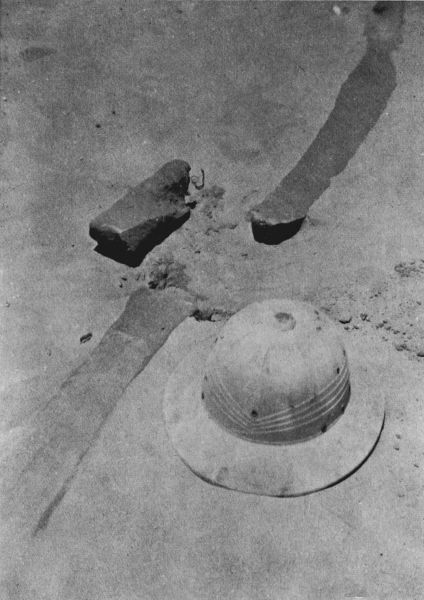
[(275, 406)]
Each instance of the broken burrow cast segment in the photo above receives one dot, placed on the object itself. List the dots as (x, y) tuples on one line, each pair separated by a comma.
[(145, 216), (359, 104), (56, 438)]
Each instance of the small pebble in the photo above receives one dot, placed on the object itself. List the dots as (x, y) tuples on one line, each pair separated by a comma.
[(86, 338), (396, 447), (416, 465), (400, 347), (364, 316), (345, 318), (420, 352), (217, 317), (398, 436)]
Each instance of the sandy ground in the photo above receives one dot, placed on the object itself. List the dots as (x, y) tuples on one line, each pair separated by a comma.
[(95, 97)]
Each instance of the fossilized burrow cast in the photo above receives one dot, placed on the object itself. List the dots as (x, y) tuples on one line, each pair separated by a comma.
[(359, 104)]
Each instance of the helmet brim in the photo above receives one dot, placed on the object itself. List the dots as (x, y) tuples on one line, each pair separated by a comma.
[(221, 458)]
